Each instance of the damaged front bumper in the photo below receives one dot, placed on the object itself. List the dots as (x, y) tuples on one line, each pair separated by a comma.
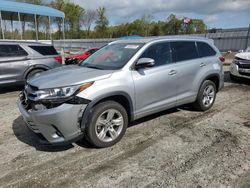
[(58, 125)]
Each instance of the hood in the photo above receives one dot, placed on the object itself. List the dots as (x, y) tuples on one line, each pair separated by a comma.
[(243, 55), (68, 75)]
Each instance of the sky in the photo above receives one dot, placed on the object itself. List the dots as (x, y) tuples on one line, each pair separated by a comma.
[(215, 13)]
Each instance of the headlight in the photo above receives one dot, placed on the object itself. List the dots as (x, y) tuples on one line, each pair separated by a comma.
[(61, 93)]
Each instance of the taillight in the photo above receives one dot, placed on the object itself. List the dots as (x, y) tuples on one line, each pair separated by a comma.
[(58, 59), (222, 59)]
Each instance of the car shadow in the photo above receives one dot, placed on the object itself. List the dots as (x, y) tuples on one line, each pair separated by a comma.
[(25, 135), (227, 79), (11, 88), (153, 116)]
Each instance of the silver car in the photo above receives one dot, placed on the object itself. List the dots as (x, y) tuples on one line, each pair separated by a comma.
[(123, 81), (21, 60), (240, 67)]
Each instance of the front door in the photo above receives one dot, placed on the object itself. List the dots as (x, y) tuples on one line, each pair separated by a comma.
[(155, 87)]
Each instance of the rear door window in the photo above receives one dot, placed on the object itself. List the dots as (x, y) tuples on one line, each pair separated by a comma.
[(45, 50), (205, 50), (160, 52), (183, 50), (12, 51)]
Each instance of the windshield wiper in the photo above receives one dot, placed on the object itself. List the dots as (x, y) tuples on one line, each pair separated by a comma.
[(93, 67)]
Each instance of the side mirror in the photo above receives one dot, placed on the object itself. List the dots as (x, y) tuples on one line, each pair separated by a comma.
[(241, 51), (144, 62)]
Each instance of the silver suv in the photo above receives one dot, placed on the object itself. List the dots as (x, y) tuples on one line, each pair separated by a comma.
[(123, 81), (21, 60)]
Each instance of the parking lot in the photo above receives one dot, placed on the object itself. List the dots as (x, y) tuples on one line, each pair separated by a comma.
[(178, 147)]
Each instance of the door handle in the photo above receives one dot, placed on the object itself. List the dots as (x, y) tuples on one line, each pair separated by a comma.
[(202, 65), (172, 72)]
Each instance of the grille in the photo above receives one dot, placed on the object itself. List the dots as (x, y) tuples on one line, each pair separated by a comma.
[(245, 64)]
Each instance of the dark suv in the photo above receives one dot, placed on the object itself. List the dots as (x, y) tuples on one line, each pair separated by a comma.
[(22, 60)]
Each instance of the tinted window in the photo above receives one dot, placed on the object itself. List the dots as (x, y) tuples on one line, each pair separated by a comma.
[(183, 50), (12, 51), (45, 50), (159, 52), (205, 50)]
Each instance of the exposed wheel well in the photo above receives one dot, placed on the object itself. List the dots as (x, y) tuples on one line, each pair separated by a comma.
[(121, 100), (215, 80)]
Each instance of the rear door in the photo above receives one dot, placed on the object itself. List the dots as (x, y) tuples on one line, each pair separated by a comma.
[(13, 62), (188, 65), (155, 87)]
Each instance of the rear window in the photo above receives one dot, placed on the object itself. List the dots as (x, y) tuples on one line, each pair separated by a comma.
[(45, 50), (12, 51), (205, 50), (183, 50)]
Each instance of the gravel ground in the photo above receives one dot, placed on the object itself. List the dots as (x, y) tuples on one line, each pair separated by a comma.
[(176, 148)]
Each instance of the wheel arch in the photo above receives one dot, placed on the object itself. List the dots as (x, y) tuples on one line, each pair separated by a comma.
[(215, 78), (34, 67), (119, 96)]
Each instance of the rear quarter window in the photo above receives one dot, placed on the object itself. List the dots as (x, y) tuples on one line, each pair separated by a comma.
[(183, 50), (45, 50), (205, 50), (12, 51)]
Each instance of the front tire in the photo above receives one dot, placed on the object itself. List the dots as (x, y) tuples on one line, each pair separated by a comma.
[(206, 96), (107, 124)]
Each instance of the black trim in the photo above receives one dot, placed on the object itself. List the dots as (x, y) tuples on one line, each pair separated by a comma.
[(90, 106), (43, 141), (25, 58), (213, 75)]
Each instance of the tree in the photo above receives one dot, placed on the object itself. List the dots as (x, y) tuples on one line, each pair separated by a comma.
[(102, 22), (146, 23), (199, 26), (58, 4), (173, 25), (156, 28), (73, 13), (88, 19)]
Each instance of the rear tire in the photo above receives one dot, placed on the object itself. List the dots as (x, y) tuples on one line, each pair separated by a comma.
[(107, 124), (206, 96), (34, 72)]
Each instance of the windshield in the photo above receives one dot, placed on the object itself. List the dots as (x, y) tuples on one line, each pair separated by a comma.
[(112, 56)]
